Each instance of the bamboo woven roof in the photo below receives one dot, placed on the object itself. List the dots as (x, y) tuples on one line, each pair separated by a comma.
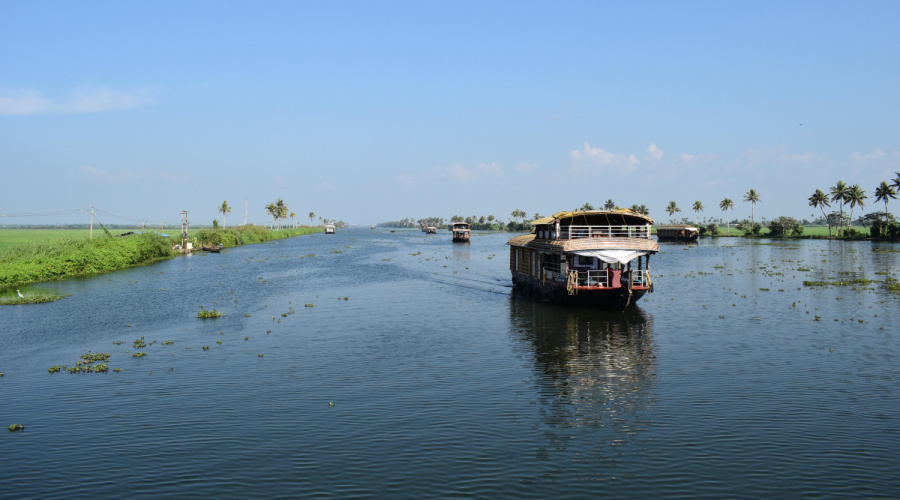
[(529, 241), (628, 216)]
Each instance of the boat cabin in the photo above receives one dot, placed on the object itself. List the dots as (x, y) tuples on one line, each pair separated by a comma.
[(677, 232), (329, 228)]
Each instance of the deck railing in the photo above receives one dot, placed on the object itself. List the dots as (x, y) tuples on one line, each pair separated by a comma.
[(601, 278), (576, 232)]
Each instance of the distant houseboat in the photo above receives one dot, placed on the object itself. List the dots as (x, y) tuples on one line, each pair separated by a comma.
[(598, 258), (371, 227), (329, 228), (677, 232), (460, 231), (430, 230)]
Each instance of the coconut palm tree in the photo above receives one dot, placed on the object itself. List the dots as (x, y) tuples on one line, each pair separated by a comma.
[(292, 220), (672, 209), (883, 192), (839, 193), (820, 199), (726, 205), (281, 211), (698, 207), (855, 196), (312, 216), (587, 206), (896, 182), (490, 218), (753, 197), (270, 209), (225, 209), (609, 205)]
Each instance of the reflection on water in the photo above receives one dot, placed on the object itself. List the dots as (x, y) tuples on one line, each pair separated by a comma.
[(594, 371)]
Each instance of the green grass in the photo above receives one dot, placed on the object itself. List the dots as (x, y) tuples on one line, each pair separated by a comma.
[(60, 258), (32, 299), (245, 235), (14, 237), (34, 255)]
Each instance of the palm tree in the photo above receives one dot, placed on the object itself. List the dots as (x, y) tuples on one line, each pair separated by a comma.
[(698, 207), (896, 182), (609, 205), (641, 209), (839, 193), (490, 218), (312, 215), (281, 211), (883, 192), (270, 209), (587, 206), (727, 205), (292, 220), (820, 199), (856, 196), (672, 209), (225, 209), (753, 197)]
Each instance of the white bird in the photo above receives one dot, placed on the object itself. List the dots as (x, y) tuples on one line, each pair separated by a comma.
[(20, 294)]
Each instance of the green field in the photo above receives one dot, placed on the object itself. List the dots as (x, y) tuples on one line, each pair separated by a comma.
[(10, 237)]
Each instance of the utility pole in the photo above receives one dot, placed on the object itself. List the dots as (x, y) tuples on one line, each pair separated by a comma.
[(92, 223), (184, 225), (143, 225)]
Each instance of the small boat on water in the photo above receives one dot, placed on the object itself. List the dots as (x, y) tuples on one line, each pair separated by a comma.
[(597, 257), (372, 227), (214, 249), (677, 232), (460, 231), (430, 230), (329, 228)]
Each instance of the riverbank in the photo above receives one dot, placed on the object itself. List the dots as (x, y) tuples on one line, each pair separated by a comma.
[(25, 263)]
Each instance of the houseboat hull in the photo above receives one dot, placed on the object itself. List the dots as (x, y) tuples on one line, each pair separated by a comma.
[(617, 299)]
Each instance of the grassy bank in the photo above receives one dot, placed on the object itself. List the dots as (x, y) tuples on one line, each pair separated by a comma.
[(47, 256), (246, 235), (55, 259)]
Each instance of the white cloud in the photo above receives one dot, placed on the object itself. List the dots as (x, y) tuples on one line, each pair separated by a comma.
[(599, 158), (23, 102), (875, 155), (490, 168), (526, 167), (655, 153)]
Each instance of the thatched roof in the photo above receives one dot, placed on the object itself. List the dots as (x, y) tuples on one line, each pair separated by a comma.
[(528, 240), (626, 216)]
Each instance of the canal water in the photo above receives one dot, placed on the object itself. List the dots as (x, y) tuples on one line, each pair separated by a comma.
[(372, 364)]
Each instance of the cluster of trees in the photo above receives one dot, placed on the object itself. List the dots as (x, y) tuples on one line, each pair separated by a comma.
[(278, 211), (855, 196)]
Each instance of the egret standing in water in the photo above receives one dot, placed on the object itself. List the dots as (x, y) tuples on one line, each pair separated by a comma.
[(20, 294)]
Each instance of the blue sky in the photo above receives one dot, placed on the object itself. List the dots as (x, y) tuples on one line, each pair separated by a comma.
[(376, 111)]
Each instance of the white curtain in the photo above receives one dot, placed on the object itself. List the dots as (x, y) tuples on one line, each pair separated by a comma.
[(613, 256)]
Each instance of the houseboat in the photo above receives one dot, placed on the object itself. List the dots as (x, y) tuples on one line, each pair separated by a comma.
[(430, 230), (460, 231), (329, 228), (677, 232), (598, 258)]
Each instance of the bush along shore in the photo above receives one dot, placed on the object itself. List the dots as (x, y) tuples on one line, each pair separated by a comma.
[(36, 262)]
